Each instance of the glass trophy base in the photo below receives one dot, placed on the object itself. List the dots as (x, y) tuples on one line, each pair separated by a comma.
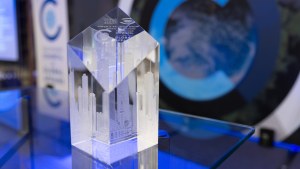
[(108, 153)]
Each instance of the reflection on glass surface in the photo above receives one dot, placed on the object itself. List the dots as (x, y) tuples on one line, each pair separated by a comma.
[(49, 152), (146, 159), (13, 120), (109, 153), (49, 141), (213, 141), (19, 159), (10, 109), (53, 103), (187, 142)]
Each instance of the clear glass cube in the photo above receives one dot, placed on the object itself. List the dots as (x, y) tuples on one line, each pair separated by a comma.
[(113, 85)]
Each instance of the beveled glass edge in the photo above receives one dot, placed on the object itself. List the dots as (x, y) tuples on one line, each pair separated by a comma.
[(251, 129), (234, 147)]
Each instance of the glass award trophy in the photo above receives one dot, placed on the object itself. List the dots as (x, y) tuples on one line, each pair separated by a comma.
[(113, 88)]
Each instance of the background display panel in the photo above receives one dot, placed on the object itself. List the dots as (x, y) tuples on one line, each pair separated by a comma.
[(8, 31)]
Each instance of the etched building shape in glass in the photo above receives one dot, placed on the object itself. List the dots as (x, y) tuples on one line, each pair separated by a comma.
[(113, 85)]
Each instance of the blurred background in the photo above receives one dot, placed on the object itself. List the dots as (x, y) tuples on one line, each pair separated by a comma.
[(232, 60)]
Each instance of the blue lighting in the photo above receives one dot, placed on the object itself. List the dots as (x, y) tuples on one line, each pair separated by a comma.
[(221, 3), (280, 145)]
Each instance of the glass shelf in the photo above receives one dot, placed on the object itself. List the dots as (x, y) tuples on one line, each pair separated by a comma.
[(185, 141), (13, 122)]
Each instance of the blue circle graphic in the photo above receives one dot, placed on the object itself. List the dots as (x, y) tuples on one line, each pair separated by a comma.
[(52, 97), (50, 21), (208, 83)]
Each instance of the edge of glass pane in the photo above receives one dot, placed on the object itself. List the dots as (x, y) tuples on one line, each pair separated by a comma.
[(206, 118), (250, 131)]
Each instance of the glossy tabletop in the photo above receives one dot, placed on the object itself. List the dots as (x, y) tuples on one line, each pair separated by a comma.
[(35, 133)]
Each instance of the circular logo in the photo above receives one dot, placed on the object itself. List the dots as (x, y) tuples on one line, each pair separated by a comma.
[(52, 97), (207, 48), (48, 20)]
